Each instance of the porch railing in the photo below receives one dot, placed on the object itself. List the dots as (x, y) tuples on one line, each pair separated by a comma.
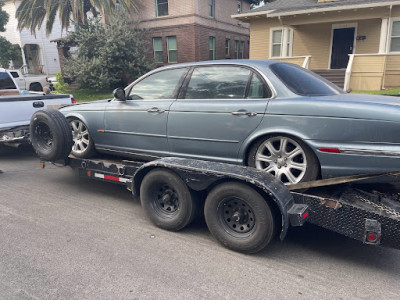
[(372, 71)]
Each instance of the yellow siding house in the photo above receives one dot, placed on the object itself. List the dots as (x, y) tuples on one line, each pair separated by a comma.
[(354, 43)]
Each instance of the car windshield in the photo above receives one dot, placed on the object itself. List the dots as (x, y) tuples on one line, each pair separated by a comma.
[(303, 82), (6, 83)]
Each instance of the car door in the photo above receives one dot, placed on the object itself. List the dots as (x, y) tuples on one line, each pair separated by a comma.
[(221, 106), (138, 125)]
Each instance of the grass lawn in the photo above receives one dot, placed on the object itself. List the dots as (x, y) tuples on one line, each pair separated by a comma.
[(83, 95), (382, 92)]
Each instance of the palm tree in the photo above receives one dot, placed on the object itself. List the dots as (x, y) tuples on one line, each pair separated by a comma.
[(31, 13)]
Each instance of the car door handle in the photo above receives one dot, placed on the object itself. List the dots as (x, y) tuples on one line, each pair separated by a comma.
[(155, 110), (244, 113), (38, 104)]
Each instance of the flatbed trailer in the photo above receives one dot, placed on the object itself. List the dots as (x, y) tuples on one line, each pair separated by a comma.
[(230, 196)]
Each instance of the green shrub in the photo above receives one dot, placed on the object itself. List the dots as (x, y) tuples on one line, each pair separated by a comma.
[(60, 85), (108, 55)]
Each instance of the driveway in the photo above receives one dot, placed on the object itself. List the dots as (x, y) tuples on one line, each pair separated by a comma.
[(63, 237)]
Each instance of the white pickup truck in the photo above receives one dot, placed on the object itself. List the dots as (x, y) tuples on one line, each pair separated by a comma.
[(16, 110), (29, 83)]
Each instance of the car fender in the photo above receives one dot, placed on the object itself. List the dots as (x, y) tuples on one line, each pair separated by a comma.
[(257, 134)]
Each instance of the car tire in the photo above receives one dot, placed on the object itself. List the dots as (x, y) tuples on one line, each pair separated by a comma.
[(36, 87), (167, 200), (287, 158), (239, 217), (83, 145), (50, 135)]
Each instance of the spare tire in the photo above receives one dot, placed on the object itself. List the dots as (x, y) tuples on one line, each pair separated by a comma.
[(50, 135)]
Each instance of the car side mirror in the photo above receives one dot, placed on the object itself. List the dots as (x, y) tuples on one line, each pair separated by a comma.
[(119, 94)]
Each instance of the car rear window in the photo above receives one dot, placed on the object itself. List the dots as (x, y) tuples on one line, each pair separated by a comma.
[(6, 83), (303, 82)]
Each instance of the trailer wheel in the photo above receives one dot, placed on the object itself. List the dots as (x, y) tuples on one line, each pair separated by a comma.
[(239, 217), (50, 135), (167, 200)]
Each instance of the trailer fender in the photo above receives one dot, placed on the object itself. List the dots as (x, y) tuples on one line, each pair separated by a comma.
[(201, 175)]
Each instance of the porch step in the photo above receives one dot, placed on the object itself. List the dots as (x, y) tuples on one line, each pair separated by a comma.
[(334, 76)]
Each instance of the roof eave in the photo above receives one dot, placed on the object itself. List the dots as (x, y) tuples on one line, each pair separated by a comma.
[(334, 8), (271, 14)]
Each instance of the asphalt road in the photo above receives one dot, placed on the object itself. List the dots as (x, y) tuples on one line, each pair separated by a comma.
[(62, 237)]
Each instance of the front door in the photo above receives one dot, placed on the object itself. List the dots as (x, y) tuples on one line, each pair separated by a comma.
[(139, 124), (342, 46)]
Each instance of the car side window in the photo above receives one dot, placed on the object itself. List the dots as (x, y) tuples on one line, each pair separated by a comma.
[(257, 88), (6, 83), (160, 85), (218, 82), (14, 74)]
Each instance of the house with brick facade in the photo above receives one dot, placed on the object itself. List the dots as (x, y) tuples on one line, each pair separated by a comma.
[(195, 30), (354, 43)]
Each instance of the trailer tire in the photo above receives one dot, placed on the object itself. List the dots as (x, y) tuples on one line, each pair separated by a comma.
[(51, 135), (167, 200), (239, 217)]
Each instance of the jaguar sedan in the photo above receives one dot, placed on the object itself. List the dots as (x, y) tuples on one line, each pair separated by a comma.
[(270, 115)]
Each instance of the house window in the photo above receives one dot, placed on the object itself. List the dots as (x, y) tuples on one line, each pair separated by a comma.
[(227, 47), (395, 37), (236, 49), (281, 42), (211, 8), (211, 48), (158, 49), (161, 8), (172, 48), (241, 49)]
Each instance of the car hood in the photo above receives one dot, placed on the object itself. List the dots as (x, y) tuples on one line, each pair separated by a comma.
[(93, 105)]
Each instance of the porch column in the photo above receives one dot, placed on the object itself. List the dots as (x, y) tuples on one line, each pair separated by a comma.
[(285, 40), (384, 36)]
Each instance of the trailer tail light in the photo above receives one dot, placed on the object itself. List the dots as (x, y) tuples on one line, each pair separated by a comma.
[(73, 100), (372, 232), (298, 214)]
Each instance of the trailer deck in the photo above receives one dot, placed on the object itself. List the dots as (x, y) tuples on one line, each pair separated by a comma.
[(370, 214)]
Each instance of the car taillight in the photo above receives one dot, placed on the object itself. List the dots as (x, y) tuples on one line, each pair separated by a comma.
[(73, 101), (47, 79)]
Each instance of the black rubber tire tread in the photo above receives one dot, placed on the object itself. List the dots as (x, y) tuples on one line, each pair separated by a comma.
[(188, 207), (61, 132), (264, 228), (312, 172), (90, 151), (36, 87)]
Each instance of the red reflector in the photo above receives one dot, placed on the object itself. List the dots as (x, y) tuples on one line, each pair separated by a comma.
[(305, 215), (113, 178), (73, 101), (329, 150), (371, 237)]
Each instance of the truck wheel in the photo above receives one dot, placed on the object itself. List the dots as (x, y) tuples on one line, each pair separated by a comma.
[(239, 217), (167, 200), (36, 87), (50, 135), (83, 145)]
